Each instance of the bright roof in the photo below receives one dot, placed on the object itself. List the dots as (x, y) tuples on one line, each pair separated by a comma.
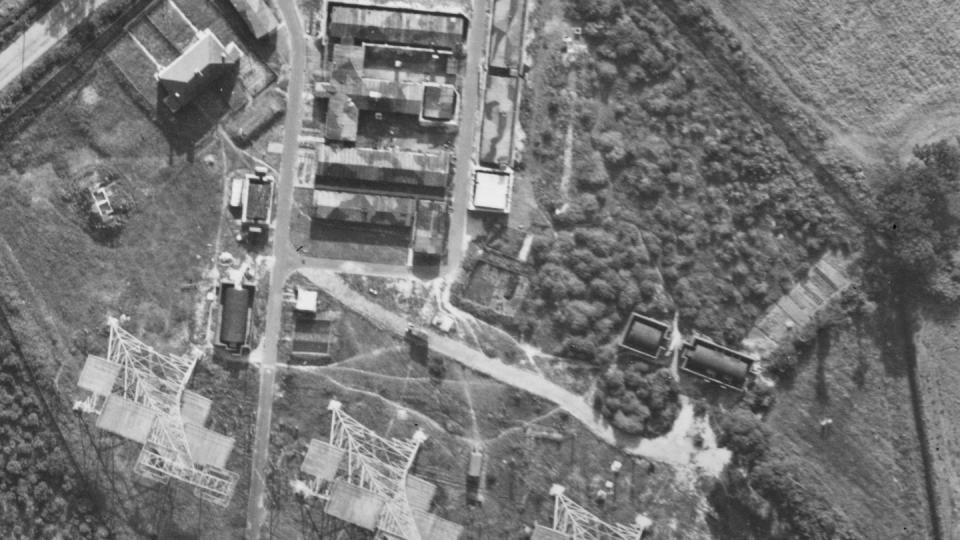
[(491, 191)]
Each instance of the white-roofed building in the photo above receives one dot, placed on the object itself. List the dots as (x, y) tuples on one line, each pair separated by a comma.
[(204, 61), (492, 190)]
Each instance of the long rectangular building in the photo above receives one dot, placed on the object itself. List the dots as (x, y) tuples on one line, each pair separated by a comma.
[(364, 209), (496, 134), (376, 25), (506, 33), (339, 166)]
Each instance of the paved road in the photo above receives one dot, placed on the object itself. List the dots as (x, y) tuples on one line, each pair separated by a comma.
[(284, 259), (470, 111), (44, 34)]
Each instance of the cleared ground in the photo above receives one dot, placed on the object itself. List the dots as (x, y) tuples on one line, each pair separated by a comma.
[(878, 71), (529, 445)]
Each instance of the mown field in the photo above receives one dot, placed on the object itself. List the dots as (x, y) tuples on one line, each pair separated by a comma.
[(882, 71)]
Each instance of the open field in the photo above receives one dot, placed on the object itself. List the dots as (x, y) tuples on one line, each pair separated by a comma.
[(881, 72), (528, 444), (868, 465)]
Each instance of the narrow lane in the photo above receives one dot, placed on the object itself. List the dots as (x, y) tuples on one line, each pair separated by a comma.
[(284, 258), (470, 112)]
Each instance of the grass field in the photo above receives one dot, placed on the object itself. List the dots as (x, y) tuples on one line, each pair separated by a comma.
[(881, 71), (374, 376), (869, 466)]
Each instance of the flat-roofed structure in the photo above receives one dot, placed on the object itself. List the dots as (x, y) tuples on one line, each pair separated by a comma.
[(492, 190), (420, 493), (366, 209), (98, 375), (322, 460), (126, 418), (355, 505), (716, 363), (439, 102), (645, 337), (257, 198), (430, 228), (206, 60), (313, 336), (351, 167), (434, 527), (496, 133), (361, 24), (306, 301), (257, 14), (506, 34), (207, 447), (431, 102), (195, 408), (236, 306), (541, 532)]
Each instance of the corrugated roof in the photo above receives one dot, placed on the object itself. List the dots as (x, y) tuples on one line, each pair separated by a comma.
[(386, 96), (390, 26), (372, 165), (126, 418)]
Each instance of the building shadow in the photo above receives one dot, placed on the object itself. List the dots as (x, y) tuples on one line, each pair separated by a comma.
[(186, 127)]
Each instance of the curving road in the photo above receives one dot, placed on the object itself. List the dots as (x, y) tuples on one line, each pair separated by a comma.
[(285, 259)]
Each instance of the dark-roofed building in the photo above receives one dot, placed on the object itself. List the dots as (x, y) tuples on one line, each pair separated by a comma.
[(716, 363), (506, 34), (428, 233), (361, 24), (366, 209), (257, 198), (645, 337), (257, 14), (206, 60), (350, 166), (439, 102), (496, 133), (236, 305)]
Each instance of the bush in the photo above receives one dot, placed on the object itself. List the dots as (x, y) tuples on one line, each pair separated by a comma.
[(639, 403)]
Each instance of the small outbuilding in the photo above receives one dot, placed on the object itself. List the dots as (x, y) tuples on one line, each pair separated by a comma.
[(306, 301), (236, 306), (716, 363), (492, 190), (645, 337)]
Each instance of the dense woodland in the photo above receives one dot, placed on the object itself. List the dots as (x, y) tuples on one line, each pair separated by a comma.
[(41, 496), (678, 188)]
